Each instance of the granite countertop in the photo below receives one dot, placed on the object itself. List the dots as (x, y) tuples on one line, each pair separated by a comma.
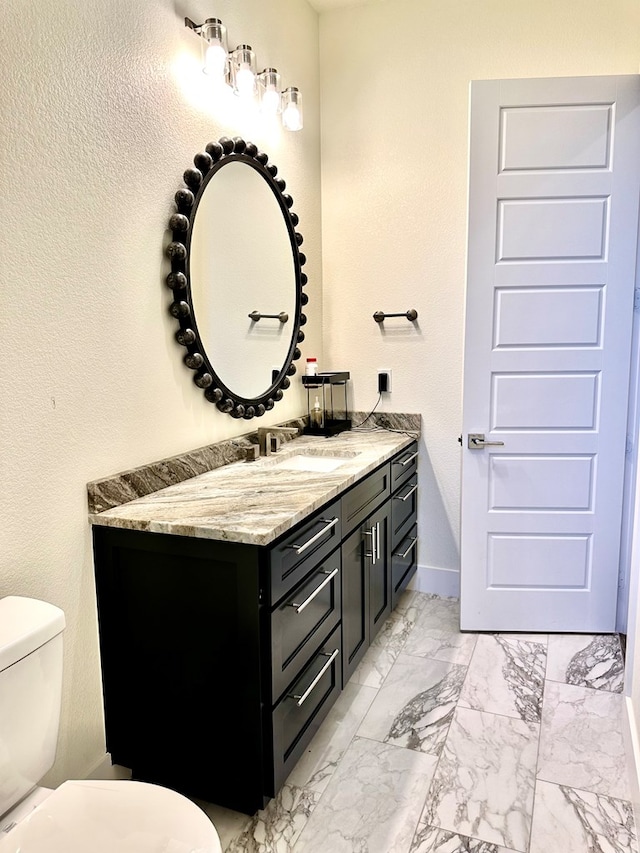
[(255, 502)]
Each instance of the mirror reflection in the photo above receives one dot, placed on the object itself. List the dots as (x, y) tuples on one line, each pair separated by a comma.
[(241, 262)]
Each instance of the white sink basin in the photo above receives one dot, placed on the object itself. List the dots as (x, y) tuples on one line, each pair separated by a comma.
[(312, 462)]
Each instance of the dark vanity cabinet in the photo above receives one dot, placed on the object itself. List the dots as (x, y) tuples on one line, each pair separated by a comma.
[(220, 660), (404, 529), (366, 565)]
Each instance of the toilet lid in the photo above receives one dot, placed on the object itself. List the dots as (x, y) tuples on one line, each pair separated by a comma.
[(113, 817)]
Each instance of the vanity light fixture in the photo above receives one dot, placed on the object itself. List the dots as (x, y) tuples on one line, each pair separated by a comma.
[(238, 69), (243, 71), (269, 91), (292, 108), (214, 45)]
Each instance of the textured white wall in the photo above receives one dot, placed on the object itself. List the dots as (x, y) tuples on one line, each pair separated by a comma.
[(103, 108), (394, 82)]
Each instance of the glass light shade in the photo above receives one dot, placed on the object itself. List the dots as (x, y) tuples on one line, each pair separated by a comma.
[(243, 69), (292, 109), (269, 91), (214, 47)]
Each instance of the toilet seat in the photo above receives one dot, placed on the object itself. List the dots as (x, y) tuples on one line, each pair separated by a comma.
[(113, 817)]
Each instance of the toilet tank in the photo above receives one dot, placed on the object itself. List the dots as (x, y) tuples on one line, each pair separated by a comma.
[(30, 693)]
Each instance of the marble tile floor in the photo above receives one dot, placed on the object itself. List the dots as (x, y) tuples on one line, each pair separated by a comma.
[(445, 742)]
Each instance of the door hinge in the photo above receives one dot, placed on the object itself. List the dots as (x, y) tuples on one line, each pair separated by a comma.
[(636, 299), (629, 445)]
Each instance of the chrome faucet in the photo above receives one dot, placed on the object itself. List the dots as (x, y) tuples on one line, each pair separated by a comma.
[(269, 438)]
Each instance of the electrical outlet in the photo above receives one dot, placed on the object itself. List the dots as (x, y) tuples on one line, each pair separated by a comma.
[(384, 381)]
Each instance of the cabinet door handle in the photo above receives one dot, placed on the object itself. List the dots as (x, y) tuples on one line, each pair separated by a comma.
[(408, 495), (328, 522), (410, 548), (373, 554), (300, 607), (379, 557), (410, 459), (302, 698)]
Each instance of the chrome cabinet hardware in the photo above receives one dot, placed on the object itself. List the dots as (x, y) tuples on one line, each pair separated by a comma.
[(300, 607), (410, 548), (371, 554), (375, 554), (302, 698), (476, 441), (410, 459), (408, 495), (328, 522)]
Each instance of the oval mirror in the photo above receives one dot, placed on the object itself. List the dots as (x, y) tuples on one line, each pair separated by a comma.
[(236, 274)]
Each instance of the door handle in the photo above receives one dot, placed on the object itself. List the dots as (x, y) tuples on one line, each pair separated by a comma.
[(476, 441)]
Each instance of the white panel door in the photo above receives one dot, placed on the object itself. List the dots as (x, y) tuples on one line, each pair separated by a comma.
[(553, 217)]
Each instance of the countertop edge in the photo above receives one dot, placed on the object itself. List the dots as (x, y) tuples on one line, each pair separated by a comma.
[(128, 516)]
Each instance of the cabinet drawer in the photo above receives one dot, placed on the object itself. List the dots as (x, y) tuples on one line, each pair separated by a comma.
[(364, 498), (297, 554), (403, 563), (304, 617), (404, 465), (404, 505), (298, 716)]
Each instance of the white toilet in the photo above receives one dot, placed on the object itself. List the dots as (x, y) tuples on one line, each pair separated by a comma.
[(82, 816)]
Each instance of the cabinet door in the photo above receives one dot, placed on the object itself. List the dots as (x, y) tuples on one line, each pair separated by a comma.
[(366, 586), (355, 599), (379, 569)]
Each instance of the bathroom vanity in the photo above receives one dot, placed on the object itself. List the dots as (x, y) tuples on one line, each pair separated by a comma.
[(234, 606)]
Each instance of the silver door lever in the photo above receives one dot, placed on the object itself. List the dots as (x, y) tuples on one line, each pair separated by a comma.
[(476, 441)]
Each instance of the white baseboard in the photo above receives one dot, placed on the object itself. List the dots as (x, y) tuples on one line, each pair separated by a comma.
[(632, 751), (442, 582)]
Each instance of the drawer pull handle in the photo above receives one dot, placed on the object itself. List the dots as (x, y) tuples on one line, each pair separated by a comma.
[(410, 459), (329, 522), (300, 607), (408, 495), (301, 699), (410, 548)]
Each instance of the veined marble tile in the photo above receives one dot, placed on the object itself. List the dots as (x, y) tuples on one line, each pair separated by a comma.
[(276, 828), (581, 741), (382, 653), (587, 660), (410, 605), (573, 821), (484, 784), (437, 635), (229, 824), (415, 706), (372, 803), (430, 839), (506, 676), (320, 760)]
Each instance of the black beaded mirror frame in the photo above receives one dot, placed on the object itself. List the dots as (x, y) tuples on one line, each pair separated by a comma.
[(207, 163)]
